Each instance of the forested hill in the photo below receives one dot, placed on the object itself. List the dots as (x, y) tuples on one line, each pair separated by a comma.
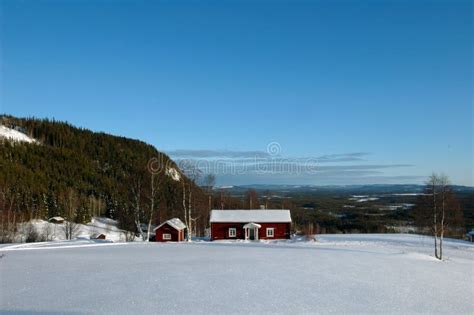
[(102, 174)]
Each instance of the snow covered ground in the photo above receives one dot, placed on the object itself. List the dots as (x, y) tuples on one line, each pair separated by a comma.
[(14, 135), (56, 232), (365, 274)]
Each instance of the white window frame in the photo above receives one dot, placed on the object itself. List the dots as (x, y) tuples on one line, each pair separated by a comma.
[(232, 232), (272, 234), (166, 236)]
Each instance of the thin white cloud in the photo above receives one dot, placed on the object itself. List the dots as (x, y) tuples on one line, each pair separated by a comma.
[(249, 167)]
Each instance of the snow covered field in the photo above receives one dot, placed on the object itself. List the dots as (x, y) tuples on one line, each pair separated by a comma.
[(339, 273)]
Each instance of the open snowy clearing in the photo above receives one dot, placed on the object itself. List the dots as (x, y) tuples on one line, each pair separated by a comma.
[(14, 135), (378, 273), (56, 232)]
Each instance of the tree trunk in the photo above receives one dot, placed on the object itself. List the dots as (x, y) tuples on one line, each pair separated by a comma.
[(137, 221), (152, 207), (137, 190), (186, 222), (148, 233), (190, 220), (435, 220), (441, 246), (139, 227), (442, 224)]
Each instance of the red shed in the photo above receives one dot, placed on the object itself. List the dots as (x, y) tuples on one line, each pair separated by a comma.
[(170, 231), (250, 224)]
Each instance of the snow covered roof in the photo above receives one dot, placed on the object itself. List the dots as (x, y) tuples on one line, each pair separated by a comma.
[(97, 235), (175, 223), (56, 219), (252, 225), (250, 216)]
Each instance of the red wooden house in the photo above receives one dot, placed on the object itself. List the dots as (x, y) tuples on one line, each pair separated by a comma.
[(250, 224), (170, 231)]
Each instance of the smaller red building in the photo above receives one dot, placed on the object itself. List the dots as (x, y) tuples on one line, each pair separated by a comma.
[(170, 231), (250, 224)]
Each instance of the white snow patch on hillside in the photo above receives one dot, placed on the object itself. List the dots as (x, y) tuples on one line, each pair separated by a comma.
[(362, 198), (14, 135), (409, 194), (223, 187), (173, 173), (360, 273)]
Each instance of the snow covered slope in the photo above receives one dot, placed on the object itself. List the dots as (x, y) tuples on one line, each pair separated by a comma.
[(55, 232), (362, 274), (174, 174), (14, 135)]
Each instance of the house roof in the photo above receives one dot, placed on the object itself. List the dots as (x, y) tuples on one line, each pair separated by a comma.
[(246, 216), (96, 235), (174, 223), (56, 219), (252, 225)]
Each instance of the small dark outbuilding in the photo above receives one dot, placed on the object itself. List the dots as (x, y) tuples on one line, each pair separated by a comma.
[(99, 236), (57, 220), (170, 231), (470, 236)]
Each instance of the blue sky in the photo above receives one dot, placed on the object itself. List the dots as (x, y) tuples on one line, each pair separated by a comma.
[(386, 86)]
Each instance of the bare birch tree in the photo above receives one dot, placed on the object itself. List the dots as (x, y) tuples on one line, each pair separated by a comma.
[(193, 175), (433, 183), (450, 212), (437, 210), (154, 189), (267, 198), (208, 184), (8, 216), (251, 200), (137, 195), (71, 203)]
